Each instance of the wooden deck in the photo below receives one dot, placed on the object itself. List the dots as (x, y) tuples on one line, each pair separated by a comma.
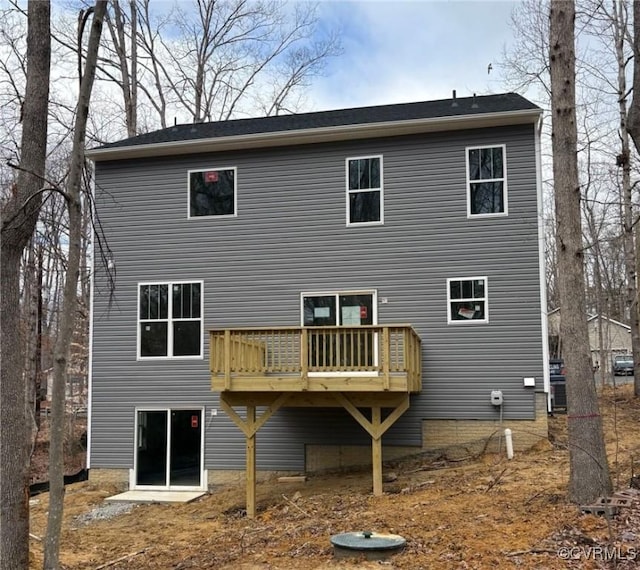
[(369, 366), (369, 358)]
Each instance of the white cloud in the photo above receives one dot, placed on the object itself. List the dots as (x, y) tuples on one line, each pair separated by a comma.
[(409, 51)]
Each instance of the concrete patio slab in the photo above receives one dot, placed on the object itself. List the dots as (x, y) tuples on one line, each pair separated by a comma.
[(155, 497)]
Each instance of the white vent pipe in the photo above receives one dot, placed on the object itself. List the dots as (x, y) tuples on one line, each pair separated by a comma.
[(509, 441)]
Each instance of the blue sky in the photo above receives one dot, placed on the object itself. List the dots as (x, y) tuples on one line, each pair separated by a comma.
[(400, 51)]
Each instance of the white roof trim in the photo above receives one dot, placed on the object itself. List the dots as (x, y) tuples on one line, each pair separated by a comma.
[(591, 317), (317, 135), (610, 320)]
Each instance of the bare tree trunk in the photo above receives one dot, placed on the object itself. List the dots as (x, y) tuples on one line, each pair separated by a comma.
[(19, 216), (205, 49), (148, 38), (29, 307), (38, 355), (633, 127), (70, 299), (589, 471), (129, 79), (603, 351), (619, 22), (132, 113)]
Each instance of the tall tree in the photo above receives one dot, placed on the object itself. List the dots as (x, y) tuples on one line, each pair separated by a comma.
[(600, 105), (127, 60), (589, 470), (18, 217), (633, 123), (213, 60), (70, 294), (618, 19)]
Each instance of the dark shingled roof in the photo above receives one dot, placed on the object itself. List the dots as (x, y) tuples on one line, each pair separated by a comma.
[(357, 116)]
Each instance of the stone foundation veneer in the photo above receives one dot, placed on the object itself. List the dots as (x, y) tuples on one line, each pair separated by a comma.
[(475, 436), (450, 438), (104, 477), (222, 477)]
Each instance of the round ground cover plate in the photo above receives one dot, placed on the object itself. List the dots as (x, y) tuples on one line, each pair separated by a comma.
[(371, 545)]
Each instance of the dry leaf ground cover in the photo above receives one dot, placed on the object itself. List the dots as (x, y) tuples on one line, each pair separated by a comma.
[(485, 512)]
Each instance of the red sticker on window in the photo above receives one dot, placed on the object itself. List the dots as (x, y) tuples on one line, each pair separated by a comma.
[(211, 176), (194, 421), (363, 312)]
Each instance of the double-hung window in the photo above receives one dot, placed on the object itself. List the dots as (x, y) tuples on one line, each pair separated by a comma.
[(486, 181), (365, 200), (467, 300), (213, 192), (170, 320)]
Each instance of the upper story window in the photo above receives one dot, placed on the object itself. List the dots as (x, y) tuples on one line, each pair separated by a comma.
[(467, 300), (486, 181), (364, 190), (170, 320), (212, 192)]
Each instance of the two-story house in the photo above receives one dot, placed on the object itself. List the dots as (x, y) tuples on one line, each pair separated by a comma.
[(290, 291)]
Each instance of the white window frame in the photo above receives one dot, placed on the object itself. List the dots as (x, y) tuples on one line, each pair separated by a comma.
[(235, 192), (337, 294), (379, 222), (169, 320), (485, 299), (505, 197)]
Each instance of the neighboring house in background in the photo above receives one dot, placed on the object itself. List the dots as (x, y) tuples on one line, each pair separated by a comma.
[(75, 390), (553, 327), (616, 338), (364, 271)]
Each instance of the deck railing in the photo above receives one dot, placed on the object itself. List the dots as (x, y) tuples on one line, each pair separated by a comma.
[(382, 351)]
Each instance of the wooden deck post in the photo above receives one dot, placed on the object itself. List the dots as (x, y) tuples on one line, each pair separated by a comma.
[(250, 426), (304, 358), (376, 450), (251, 462), (376, 429), (227, 359), (386, 355)]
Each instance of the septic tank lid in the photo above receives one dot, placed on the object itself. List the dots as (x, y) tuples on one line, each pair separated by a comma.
[(367, 541)]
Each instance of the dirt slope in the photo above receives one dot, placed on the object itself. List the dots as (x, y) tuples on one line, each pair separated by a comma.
[(482, 513)]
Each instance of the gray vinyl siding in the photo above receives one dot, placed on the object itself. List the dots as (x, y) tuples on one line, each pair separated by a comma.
[(290, 236)]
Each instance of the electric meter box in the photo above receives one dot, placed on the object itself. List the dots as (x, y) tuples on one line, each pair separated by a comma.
[(496, 397)]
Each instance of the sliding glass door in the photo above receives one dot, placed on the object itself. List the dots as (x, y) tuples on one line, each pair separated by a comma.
[(351, 348), (169, 448)]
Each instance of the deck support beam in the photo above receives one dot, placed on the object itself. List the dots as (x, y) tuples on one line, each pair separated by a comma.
[(250, 426), (376, 429), (376, 451), (251, 462)]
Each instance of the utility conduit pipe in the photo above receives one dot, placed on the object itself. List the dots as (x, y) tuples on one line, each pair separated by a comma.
[(509, 441)]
